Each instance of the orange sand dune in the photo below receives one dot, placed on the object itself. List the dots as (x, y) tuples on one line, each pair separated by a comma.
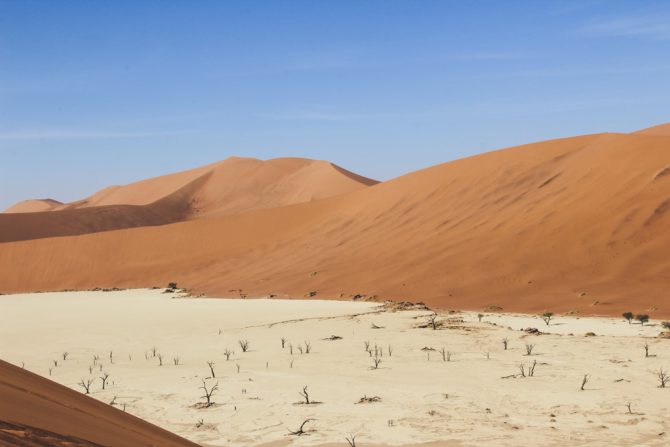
[(234, 185), (662, 130), (575, 224), (38, 412), (33, 206)]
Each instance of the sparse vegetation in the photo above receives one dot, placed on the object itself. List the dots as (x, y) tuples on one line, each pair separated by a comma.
[(305, 394), (377, 361), (585, 380), (642, 318), (211, 369), (86, 384), (301, 430), (666, 325), (209, 392), (103, 379), (628, 316), (547, 317)]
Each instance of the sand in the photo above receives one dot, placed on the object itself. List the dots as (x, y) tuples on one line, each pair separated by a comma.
[(464, 401), (569, 225)]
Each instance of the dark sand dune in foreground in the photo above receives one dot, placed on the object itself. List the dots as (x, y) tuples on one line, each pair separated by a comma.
[(35, 412)]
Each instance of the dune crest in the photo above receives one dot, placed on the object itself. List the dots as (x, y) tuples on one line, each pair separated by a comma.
[(662, 130), (34, 206), (235, 185)]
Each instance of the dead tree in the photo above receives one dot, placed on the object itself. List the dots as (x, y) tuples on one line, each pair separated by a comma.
[(111, 357), (86, 384), (244, 344), (308, 347), (211, 369), (376, 361), (104, 378), (662, 378), (227, 353), (505, 341), (585, 380), (366, 343), (522, 370), (305, 395), (390, 350), (283, 342), (208, 392), (64, 355), (529, 348), (432, 320), (175, 360), (160, 359), (531, 369), (646, 349), (301, 430), (351, 439)]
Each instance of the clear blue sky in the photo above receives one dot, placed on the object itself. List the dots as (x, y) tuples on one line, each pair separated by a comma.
[(94, 93)]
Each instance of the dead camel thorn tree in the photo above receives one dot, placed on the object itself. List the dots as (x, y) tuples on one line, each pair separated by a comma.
[(585, 380), (104, 378), (351, 440), (529, 348), (227, 353), (377, 361), (663, 378), (505, 342), (301, 431), (208, 392), (244, 344), (86, 384), (283, 342), (432, 320), (211, 369)]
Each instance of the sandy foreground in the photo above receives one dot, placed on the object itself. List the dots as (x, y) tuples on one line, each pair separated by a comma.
[(476, 398)]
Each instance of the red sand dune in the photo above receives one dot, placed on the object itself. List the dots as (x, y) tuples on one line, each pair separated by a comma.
[(575, 224), (36, 412), (662, 130), (232, 186)]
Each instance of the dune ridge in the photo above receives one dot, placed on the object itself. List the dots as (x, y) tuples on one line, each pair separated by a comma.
[(232, 186), (569, 225)]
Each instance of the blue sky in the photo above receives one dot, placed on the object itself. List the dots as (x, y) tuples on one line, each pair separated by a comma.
[(95, 93)]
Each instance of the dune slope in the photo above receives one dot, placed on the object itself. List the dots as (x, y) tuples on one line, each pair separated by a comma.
[(576, 224), (38, 412)]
